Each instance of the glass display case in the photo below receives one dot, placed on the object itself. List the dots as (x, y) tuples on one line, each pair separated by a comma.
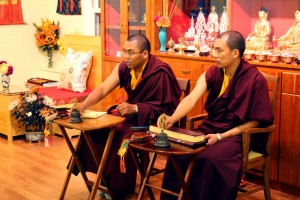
[(195, 18), (121, 19)]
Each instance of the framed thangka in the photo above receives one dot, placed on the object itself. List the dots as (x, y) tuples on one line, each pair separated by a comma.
[(11, 12)]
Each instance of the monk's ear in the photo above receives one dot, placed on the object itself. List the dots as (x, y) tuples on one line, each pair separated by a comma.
[(235, 53), (145, 53)]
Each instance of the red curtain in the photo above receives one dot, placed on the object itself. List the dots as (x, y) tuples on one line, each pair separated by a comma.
[(11, 12)]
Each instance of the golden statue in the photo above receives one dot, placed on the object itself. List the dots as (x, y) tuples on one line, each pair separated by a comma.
[(259, 38), (291, 40)]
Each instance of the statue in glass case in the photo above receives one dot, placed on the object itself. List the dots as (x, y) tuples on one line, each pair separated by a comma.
[(259, 38), (291, 40), (212, 25)]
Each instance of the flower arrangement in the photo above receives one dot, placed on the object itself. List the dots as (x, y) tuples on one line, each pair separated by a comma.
[(165, 21), (47, 37), (31, 110), (5, 68), (162, 22)]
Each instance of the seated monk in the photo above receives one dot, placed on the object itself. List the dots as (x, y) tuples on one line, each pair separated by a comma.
[(151, 90), (291, 40), (259, 38)]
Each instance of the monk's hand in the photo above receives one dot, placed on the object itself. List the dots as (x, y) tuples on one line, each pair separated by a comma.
[(164, 121), (211, 139), (126, 109)]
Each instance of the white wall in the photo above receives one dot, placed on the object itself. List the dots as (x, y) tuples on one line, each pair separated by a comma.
[(17, 43)]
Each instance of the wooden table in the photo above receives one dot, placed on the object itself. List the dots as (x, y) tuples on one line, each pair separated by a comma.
[(105, 121), (8, 125), (174, 150)]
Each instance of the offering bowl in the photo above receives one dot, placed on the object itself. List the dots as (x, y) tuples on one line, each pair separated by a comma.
[(249, 56), (261, 57), (288, 59), (274, 58)]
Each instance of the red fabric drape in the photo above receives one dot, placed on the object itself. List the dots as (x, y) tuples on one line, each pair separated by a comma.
[(11, 12)]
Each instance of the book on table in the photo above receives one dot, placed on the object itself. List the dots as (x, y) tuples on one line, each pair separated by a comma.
[(91, 114), (42, 81), (183, 136)]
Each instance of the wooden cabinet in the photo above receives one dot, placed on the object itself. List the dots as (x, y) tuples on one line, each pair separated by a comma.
[(8, 125), (289, 154)]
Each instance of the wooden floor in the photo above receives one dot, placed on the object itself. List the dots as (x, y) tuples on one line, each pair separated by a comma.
[(32, 171)]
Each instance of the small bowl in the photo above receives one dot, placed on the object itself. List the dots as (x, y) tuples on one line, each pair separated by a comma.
[(274, 58), (288, 59), (204, 53), (261, 57), (249, 56)]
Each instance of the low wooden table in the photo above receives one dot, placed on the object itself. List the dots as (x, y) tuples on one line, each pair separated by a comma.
[(174, 150), (105, 121)]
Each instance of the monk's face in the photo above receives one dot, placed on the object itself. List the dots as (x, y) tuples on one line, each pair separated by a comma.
[(225, 57), (133, 55)]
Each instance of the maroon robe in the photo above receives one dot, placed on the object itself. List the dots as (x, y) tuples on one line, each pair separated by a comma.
[(158, 92), (218, 170)]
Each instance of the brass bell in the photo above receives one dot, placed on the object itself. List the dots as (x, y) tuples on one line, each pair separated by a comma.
[(75, 117), (162, 140), (75, 114)]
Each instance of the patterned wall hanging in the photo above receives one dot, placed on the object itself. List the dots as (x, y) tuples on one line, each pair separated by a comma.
[(11, 12), (68, 7)]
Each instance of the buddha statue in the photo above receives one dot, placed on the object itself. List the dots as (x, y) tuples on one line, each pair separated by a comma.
[(291, 40), (259, 38)]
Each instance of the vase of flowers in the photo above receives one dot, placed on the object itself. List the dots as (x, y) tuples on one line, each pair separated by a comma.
[(162, 22), (31, 110), (6, 70), (47, 38)]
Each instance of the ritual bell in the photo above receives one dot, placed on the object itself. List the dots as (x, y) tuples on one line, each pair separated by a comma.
[(75, 114), (162, 140), (75, 117)]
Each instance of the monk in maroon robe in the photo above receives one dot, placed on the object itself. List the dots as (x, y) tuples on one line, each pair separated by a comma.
[(152, 89), (238, 99)]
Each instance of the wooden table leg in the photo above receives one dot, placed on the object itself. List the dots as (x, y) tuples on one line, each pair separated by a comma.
[(140, 163), (74, 159), (102, 163), (188, 176), (146, 179)]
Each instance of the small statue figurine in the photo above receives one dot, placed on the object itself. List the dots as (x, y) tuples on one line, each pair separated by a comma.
[(224, 21), (171, 45), (131, 15), (75, 114), (291, 40), (259, 38)]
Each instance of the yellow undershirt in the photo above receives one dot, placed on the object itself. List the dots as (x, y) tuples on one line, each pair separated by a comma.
[(135, 81), (224, 84)]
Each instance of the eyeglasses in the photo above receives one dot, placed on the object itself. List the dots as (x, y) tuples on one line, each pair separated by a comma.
[(130, 52)]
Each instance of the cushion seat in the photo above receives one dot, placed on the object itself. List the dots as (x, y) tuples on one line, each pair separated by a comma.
[(61, 96)]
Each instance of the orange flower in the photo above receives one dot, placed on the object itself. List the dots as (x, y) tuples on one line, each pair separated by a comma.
[(163, 21), (47, 35)]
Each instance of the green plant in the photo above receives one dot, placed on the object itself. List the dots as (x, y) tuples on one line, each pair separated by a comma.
[(31, 110)]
